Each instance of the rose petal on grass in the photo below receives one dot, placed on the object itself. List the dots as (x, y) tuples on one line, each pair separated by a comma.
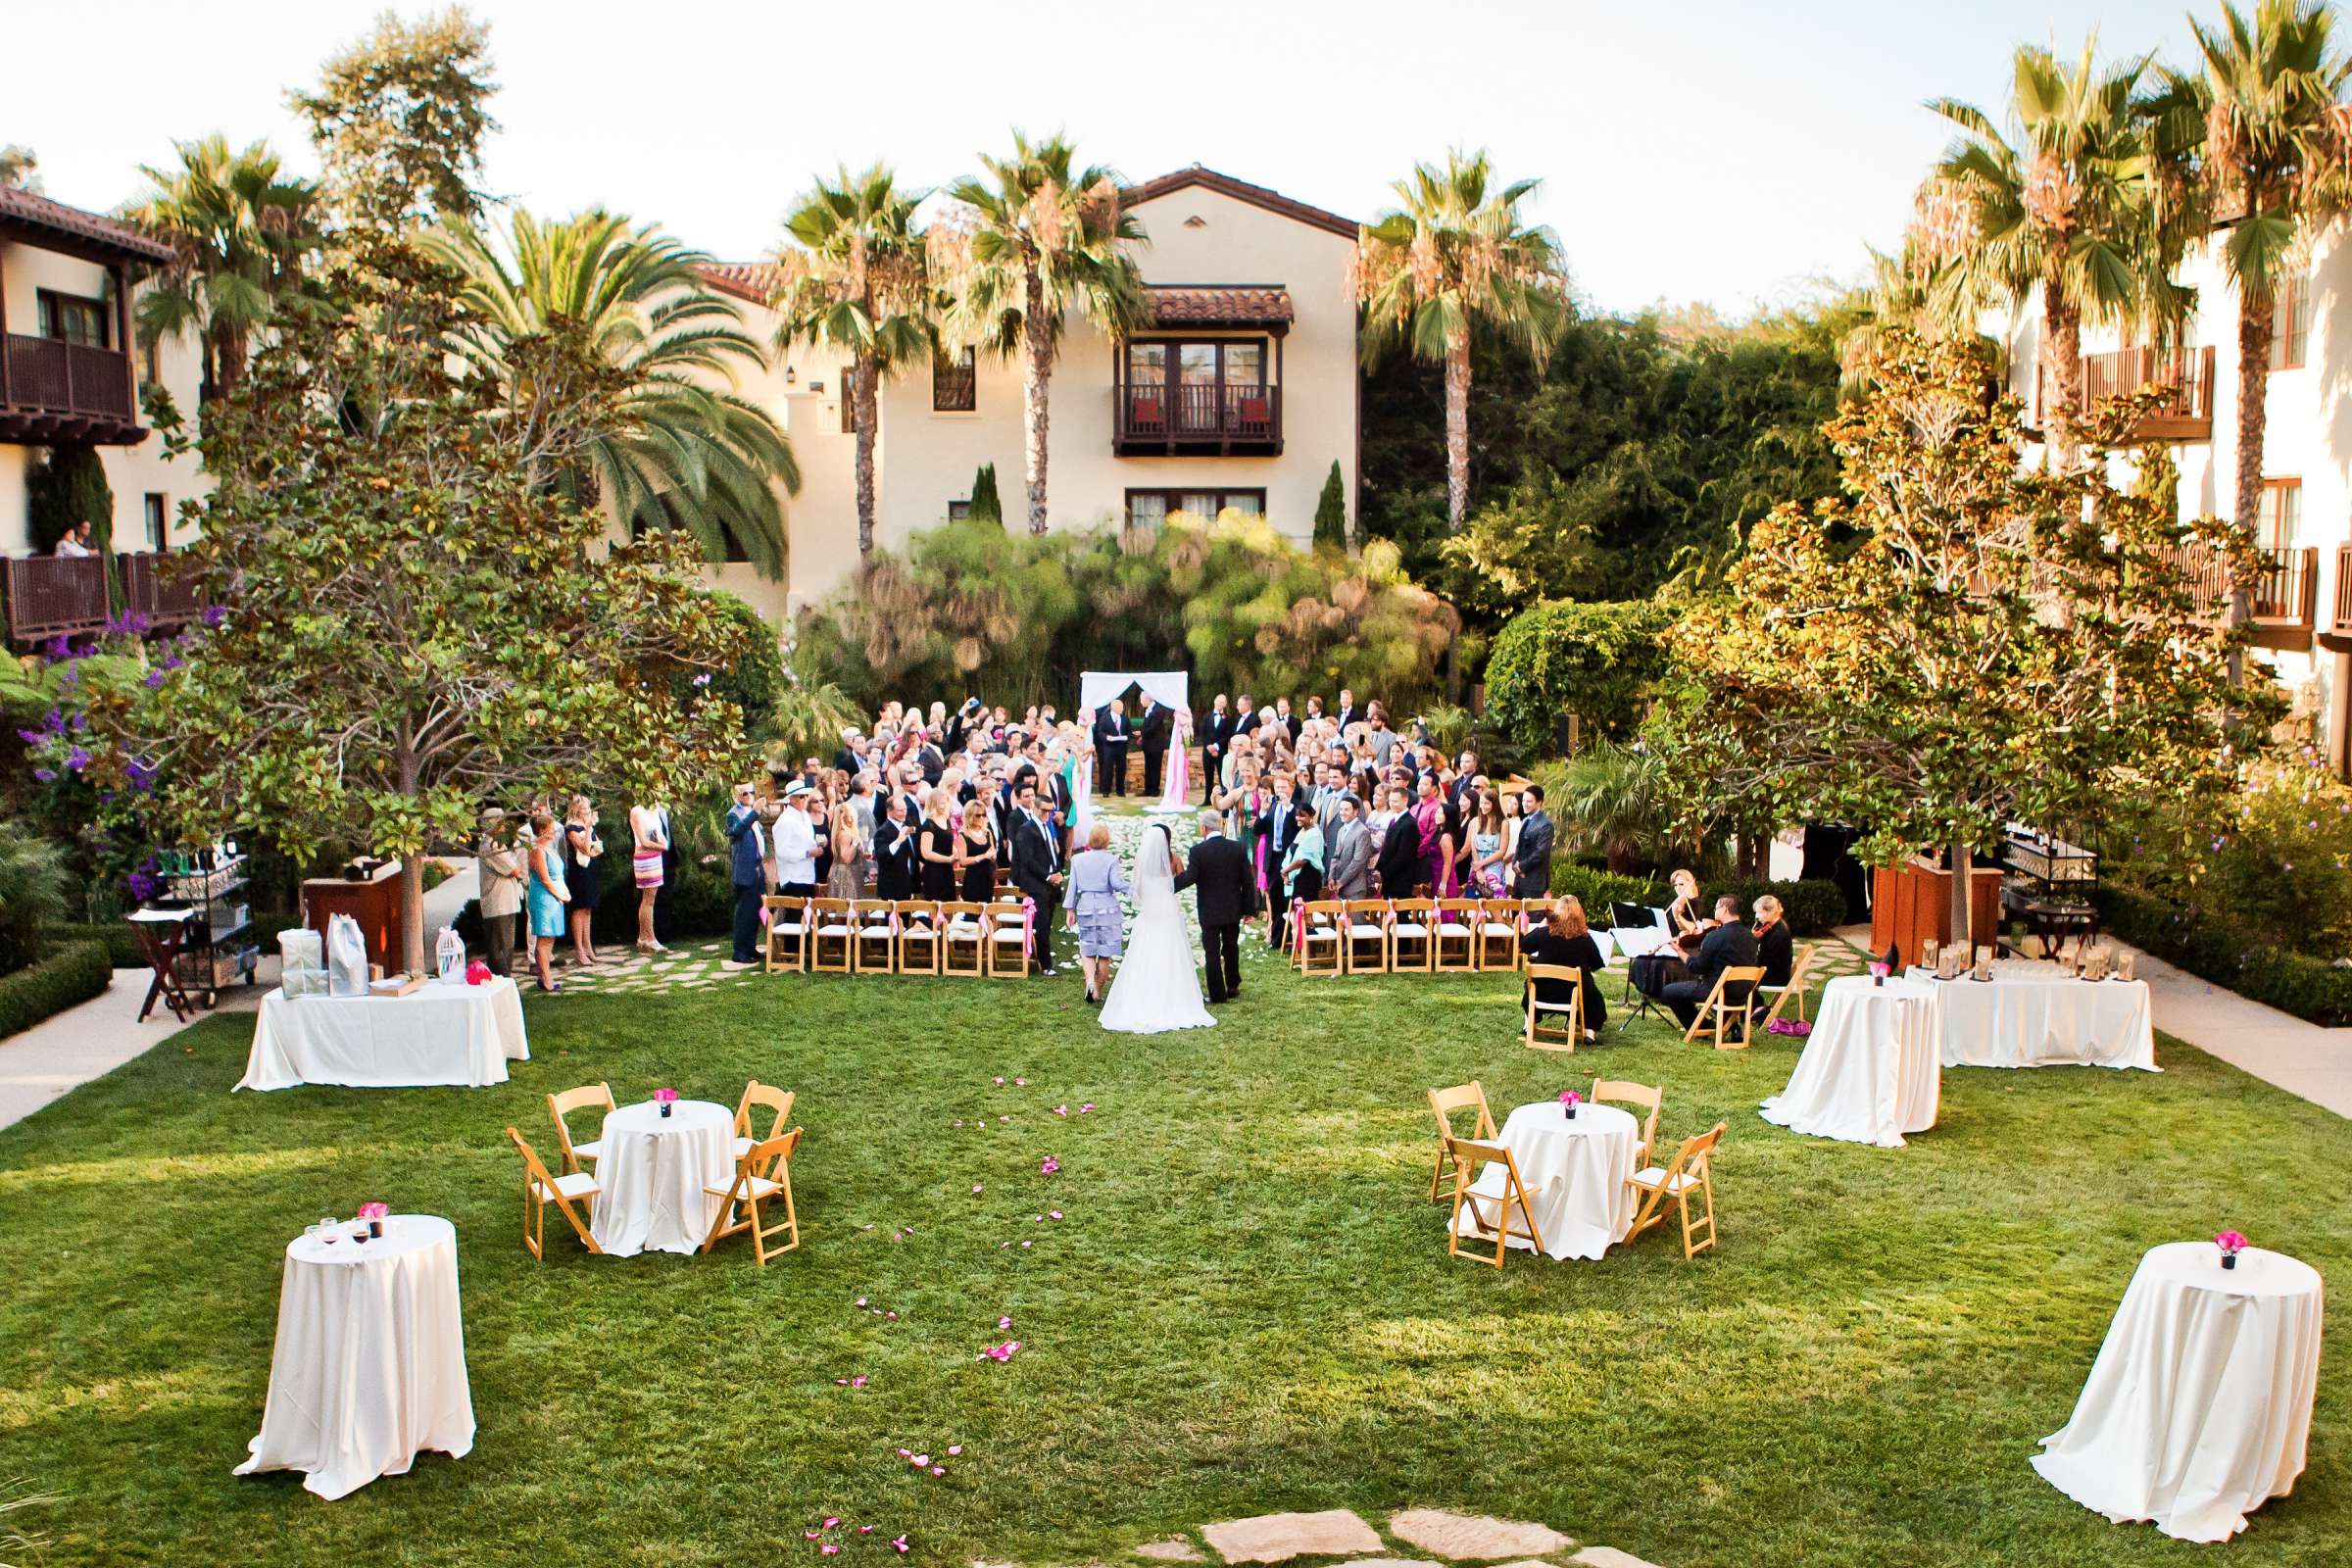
[(955, 1449)]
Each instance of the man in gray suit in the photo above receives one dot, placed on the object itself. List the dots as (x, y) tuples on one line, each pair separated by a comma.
[(1350, 862), (1532, 862)]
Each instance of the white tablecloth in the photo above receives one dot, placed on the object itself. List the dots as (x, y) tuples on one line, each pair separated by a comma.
[(1868, 1074), (1575, 1173), (369, 1368), (2032, 1016), (651, 1176), (437, 1034), (2199, 1405)]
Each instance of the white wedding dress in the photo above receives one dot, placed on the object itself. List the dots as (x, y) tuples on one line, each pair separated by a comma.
[(1157, 988)]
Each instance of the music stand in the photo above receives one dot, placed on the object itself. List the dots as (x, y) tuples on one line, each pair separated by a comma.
[(1635, 917)]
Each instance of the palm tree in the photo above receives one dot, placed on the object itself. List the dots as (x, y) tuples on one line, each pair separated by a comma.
[(1037, 236), (2277, 140), (2071, 207), (1452, 258), (669, 448), (241, 234), (858, 279), (1614, 800)]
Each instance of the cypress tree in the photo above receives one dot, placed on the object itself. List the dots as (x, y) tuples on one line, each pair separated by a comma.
[(1331, 512), (985, 505)]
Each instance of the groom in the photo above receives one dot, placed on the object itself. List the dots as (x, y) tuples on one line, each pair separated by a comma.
[(1220, 869)]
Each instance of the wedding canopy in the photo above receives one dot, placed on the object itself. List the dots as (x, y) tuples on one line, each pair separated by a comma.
[(1097, 687)]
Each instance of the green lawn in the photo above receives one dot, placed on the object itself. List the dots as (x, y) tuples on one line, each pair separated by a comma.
[(1247, 1306)]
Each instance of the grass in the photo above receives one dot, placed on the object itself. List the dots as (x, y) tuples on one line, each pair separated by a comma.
[(1247, 1306)]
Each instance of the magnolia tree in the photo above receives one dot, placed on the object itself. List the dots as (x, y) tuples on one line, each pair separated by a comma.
[(412, 630), (1958, 643)]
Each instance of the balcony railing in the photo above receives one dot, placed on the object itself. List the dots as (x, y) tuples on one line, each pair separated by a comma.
[(50, 376), (2186, 413), (2282, 595), (1206, 416), (2340, 618), (55, 596), (162, 596)]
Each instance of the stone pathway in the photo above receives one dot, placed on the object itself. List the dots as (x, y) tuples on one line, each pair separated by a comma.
[(1415, 1538)]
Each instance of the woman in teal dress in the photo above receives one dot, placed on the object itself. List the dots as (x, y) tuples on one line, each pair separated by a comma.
[(547, 894)]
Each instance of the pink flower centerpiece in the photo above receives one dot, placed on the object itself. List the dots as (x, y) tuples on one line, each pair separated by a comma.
[(2232, 1243), (1569, 1101), (666, 1099), (376, 1214)]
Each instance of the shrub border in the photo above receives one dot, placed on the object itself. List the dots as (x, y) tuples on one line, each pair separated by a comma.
[(67, 977), (2207, 947)]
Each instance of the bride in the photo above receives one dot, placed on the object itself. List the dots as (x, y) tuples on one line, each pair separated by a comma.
[(1157, 988)]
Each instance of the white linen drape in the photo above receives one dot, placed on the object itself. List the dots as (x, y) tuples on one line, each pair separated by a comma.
[(1575, 1174), (651, 1176), (440, 1033), (1870, 1068), (1097, 687)]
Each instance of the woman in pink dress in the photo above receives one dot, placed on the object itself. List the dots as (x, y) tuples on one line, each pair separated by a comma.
[(1437, 846)]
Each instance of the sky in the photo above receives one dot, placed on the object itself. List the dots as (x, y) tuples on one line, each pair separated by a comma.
[(1736, 155)]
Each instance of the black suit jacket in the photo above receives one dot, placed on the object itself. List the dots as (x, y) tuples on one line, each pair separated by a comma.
[(1220, 869), (1772, 952), (1400, 863), (1280, 825), (1153, 727), (897, 867), (1105, 736), (1726, 947), (1216, 730), (1034, 859)]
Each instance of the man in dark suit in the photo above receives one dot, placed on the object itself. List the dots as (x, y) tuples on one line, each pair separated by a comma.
[(747, 851), (1216, 733), (1348, 712), (1111, 735), (1729, 945), (895, 860), (1246, 717), (1401, 867), (1220, 869), (1530, 866), (1288, 722), (934, 761), (1038, 867), (1153, 727)]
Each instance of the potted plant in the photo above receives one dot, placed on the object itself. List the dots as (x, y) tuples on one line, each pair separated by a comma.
[(666, 1099), (1569, 1101), (2232, 1243)]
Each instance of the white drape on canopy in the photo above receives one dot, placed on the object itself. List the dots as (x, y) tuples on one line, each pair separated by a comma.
[(1097, 687)]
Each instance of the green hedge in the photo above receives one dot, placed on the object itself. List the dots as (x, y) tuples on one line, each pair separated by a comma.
[(120, 937), (69, 975), (1812, 907), (2210, 947)]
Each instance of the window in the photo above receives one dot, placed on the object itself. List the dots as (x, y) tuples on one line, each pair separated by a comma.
[(2290, 324), (958, 511), (954, 382), (1150, 509), (73, 319), (2280, 519), (159, 521)]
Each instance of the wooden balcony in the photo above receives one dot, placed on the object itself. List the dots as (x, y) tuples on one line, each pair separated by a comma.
[(2336, 631), (2186, 415), (2283, 595), (55, 596), (52, 390), (159, 591), (1207, 420)]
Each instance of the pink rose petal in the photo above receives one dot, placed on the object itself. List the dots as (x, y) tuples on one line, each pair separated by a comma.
[(922, 1460), (999, 1080), (1019, 1083), (898, 1542), (1027, 1244), (830, 1548), (975, 1186), (831, 1520), (1055, 1213), (939, 1469), (955, 1449), (1003, 1322)]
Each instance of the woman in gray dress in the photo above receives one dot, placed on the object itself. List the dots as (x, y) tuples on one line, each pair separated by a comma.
[(1095, 882)]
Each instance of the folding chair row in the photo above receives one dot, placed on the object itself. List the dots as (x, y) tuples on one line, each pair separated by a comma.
[(1410, 936), (996, 940)]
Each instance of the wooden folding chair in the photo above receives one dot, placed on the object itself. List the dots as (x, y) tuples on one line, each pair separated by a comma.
[(763, 1174), (769, 1096), (1468, 1158), (875, 948), (539, 1189), (831, 937), (1319, 946), (1691, 1172), (566, 1100), (919, 940), (1543, 1034), (1800, 972), (1009, 939), (1498, 929), (1443, 1103), (1366, 926), (1413, 923), (1453, 937), (1718, 1007), (1632, 1094), (962, 939), (787, 934)]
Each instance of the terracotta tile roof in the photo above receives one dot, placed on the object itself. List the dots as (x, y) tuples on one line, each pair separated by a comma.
[(1219, 304), (746, 280), (1241, 190), (37, 219)]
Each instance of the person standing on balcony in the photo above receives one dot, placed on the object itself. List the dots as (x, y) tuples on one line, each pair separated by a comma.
[(74, 542)]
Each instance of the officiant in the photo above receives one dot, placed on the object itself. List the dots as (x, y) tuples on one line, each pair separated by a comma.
[(1153, 725), (1112, 737)]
